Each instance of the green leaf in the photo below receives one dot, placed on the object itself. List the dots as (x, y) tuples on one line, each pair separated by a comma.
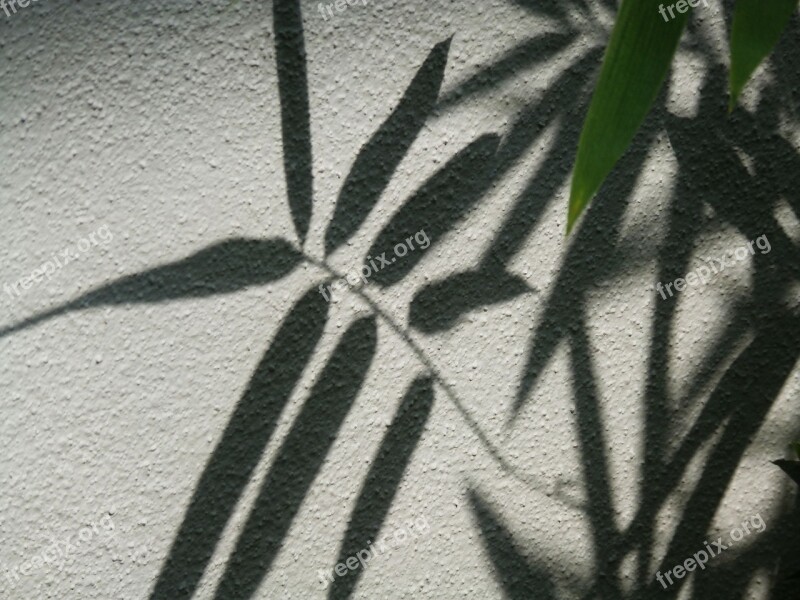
[(637, 60), (757, 26)]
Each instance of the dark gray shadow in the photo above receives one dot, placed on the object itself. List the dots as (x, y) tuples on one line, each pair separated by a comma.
[(298, 461), (440, 305), (290, 58), (377, 161), (383, 481), (519, 576), (435, 208), (741, 373), (534, 51), (223, 268), (242, 445)]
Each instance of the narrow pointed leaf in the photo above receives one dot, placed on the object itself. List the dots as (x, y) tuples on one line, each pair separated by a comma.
[(558, 9), (383, 480), (791, 468), (637, 60), (534, 51), (239, 450), (438, 306), (434, 209), (223, 268), (757, 27), (378, 159), (290, 55), (520, 579), (578, 273), (298, 462)]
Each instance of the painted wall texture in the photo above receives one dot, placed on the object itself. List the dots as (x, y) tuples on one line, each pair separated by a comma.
[(493, 411)]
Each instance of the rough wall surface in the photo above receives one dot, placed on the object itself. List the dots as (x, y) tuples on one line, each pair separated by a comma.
[(570, 434)]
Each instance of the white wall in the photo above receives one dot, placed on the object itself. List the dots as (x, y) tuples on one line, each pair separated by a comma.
[(161, 122)]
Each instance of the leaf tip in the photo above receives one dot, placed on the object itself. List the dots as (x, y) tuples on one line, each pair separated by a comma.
[(733, 99), (578, 200)]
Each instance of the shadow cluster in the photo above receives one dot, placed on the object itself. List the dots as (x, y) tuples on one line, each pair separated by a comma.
[(738, 379)]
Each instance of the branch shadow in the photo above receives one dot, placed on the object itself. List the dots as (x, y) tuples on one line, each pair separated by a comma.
[(736, 407)]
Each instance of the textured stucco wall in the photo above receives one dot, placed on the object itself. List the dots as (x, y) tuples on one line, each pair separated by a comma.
[(160, 122)]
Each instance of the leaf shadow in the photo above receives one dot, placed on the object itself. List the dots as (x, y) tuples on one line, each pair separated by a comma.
[(436, 207), (527, 54), (290, 57), (378, 160), (438, 306), (383, 480), (298, 461), (222, 268), (579, 272), (521, 579), (756, 374), (744, 383), (238, 452)]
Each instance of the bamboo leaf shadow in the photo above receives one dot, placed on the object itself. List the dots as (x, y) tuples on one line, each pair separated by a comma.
[(533, 51), (438, 306), (790, 467), (378, 159), (579, 271), (558, 9), (384, 480), (563, 104), (223, 268), (520, 579), (436, 207), (298, 461), (748, 389), (290, 56), (544, 8), (236, 455)]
